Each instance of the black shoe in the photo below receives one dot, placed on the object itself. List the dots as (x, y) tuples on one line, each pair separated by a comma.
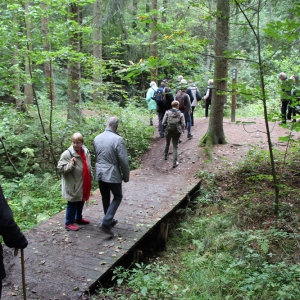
[(113, 223), (180, 141), (151, 123), (175, 165), (106, 230), (166, 157)]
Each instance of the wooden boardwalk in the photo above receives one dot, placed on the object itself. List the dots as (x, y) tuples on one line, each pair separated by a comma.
[(62, 264)]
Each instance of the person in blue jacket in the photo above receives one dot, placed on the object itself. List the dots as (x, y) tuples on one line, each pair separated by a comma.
[(151, 102), (11, 233)]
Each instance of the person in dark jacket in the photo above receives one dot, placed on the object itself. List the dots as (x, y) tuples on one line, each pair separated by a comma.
[(168, 99), (10, 231), (112, 167), (208, 96)]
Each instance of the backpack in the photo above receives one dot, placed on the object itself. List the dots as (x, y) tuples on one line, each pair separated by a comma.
[(160, 96), (181, 98), (173, 121)]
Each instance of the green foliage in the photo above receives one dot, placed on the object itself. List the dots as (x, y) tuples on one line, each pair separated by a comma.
[(145, 281), (33, 198)]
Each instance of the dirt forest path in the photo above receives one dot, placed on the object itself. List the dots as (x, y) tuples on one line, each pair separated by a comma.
[(153, 190)]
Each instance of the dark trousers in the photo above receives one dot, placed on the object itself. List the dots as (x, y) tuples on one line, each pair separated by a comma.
[(175, 141), (161, 128), (207, 104), (192, 116), (284, 105), (74, 211), (110, 208)]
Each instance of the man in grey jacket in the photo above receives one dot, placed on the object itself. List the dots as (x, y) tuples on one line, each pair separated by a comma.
[(112, 167)]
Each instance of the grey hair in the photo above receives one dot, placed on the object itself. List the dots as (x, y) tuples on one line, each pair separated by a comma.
[(113, 122), (282, 74), (210, 81)]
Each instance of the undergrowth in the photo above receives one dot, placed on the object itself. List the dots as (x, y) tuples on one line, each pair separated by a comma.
[(230, 245)]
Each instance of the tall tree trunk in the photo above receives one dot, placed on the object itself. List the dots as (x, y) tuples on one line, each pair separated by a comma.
[(153, 48), (17, 92), (49, 75), (28, 92), (134, 13), (164, 15), (215, 132), (147, 11), (208, 47), (74, 92), (97, 49)]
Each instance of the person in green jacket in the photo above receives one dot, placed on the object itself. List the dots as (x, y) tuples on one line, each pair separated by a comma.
[(151, 101)]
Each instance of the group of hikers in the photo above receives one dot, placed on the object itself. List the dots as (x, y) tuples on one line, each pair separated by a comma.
[(175, 114)]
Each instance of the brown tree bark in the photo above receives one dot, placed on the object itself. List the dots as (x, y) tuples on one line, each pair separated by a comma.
[(153, 48), (215, 132), (74, 92), (97, 49), (28, 91), (49, 74)]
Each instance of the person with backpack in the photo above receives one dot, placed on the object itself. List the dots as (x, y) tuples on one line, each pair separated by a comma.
[(10, 232), (174, 125), (185, 107), (208, 96), (197, 97), (151, 101), (164, 98)]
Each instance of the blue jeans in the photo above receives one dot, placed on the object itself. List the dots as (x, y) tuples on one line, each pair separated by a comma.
[(110, 208), (187, 117), (74, 211)]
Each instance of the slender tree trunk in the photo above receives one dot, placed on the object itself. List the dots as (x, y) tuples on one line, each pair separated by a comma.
[(164, 15), (74, 92), (215, 132), (17, 92), (49, 74), (97, 49), (153, 48), (148, 7), (28, 92), (208, 47), (134, 13)]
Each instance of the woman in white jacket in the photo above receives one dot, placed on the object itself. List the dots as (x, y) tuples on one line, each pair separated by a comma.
[(75, 167)]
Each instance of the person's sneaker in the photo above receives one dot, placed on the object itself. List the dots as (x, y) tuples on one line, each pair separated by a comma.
[(82, 221), (166, 157), (113, 223), (175, 164), (105, 230), (72, 227), (190, 135)]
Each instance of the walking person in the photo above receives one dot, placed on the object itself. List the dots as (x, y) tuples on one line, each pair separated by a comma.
[(112, 167), (174, 123), (285, 95), (163, 105), (185, 107), (208, 96), (150, 98), (197, 97), (75, 167), (10, 232)]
